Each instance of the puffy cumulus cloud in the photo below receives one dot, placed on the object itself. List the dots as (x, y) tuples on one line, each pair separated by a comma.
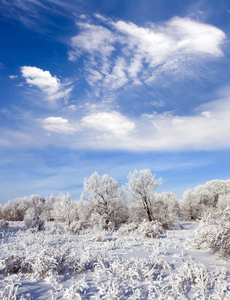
[(121, 53), (47, 83), (109, 122), (58, 124)]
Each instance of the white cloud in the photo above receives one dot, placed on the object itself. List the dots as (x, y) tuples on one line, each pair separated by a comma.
[(196, 37), (117, 78), (157, 103), (13, 76), (47, 83), (58, 124), (145, 52), (206, 114), (92, 38), (207, 129), (109, 122)]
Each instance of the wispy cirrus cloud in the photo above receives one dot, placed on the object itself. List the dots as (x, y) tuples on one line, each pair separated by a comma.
[(50, 85), (34, 14), (121, 53)]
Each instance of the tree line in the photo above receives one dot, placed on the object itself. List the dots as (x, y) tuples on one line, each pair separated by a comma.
[(106, 205)]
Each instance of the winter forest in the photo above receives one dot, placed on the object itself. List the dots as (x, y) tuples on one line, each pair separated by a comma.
[(116, 242)]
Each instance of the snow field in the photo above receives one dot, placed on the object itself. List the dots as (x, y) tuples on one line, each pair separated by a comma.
[(119, 264)]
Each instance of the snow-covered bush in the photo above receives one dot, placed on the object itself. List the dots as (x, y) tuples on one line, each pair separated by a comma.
[(214, 233), (127, 228), (100, 222), (32, 219), (10, 291), (195, 281), (56, 229), (4, 224), (77, 226), (77, 290), (99, 237), (34, 223), (150, 229)]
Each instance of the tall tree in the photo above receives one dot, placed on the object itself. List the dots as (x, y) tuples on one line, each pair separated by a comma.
[(142, 185), (107, 199)]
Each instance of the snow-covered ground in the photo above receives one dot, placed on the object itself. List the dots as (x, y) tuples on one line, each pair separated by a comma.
[(122, 264)]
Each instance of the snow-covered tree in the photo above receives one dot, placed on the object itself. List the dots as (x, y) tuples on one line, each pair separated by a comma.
[(64, 209), (205, 198), (11, 212), (166, 209), (189, 206), (106, 198), (223, 202), (1, 213), (32, 217), (46, 214), (142, 185)]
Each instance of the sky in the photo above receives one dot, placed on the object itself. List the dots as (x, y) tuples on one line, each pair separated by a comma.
[(113, 86)]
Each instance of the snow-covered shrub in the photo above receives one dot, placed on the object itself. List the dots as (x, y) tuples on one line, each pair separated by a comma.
[(56, 229), (32, 220), (10, 291), (195, 281), (127, 228), (4, 224), (214, 233), (150, 229), (26, 296), (100, 237), (77, 226), (77, 290), (100, 222)]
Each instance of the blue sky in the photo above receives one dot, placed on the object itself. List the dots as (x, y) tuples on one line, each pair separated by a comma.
[(113, 86)]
